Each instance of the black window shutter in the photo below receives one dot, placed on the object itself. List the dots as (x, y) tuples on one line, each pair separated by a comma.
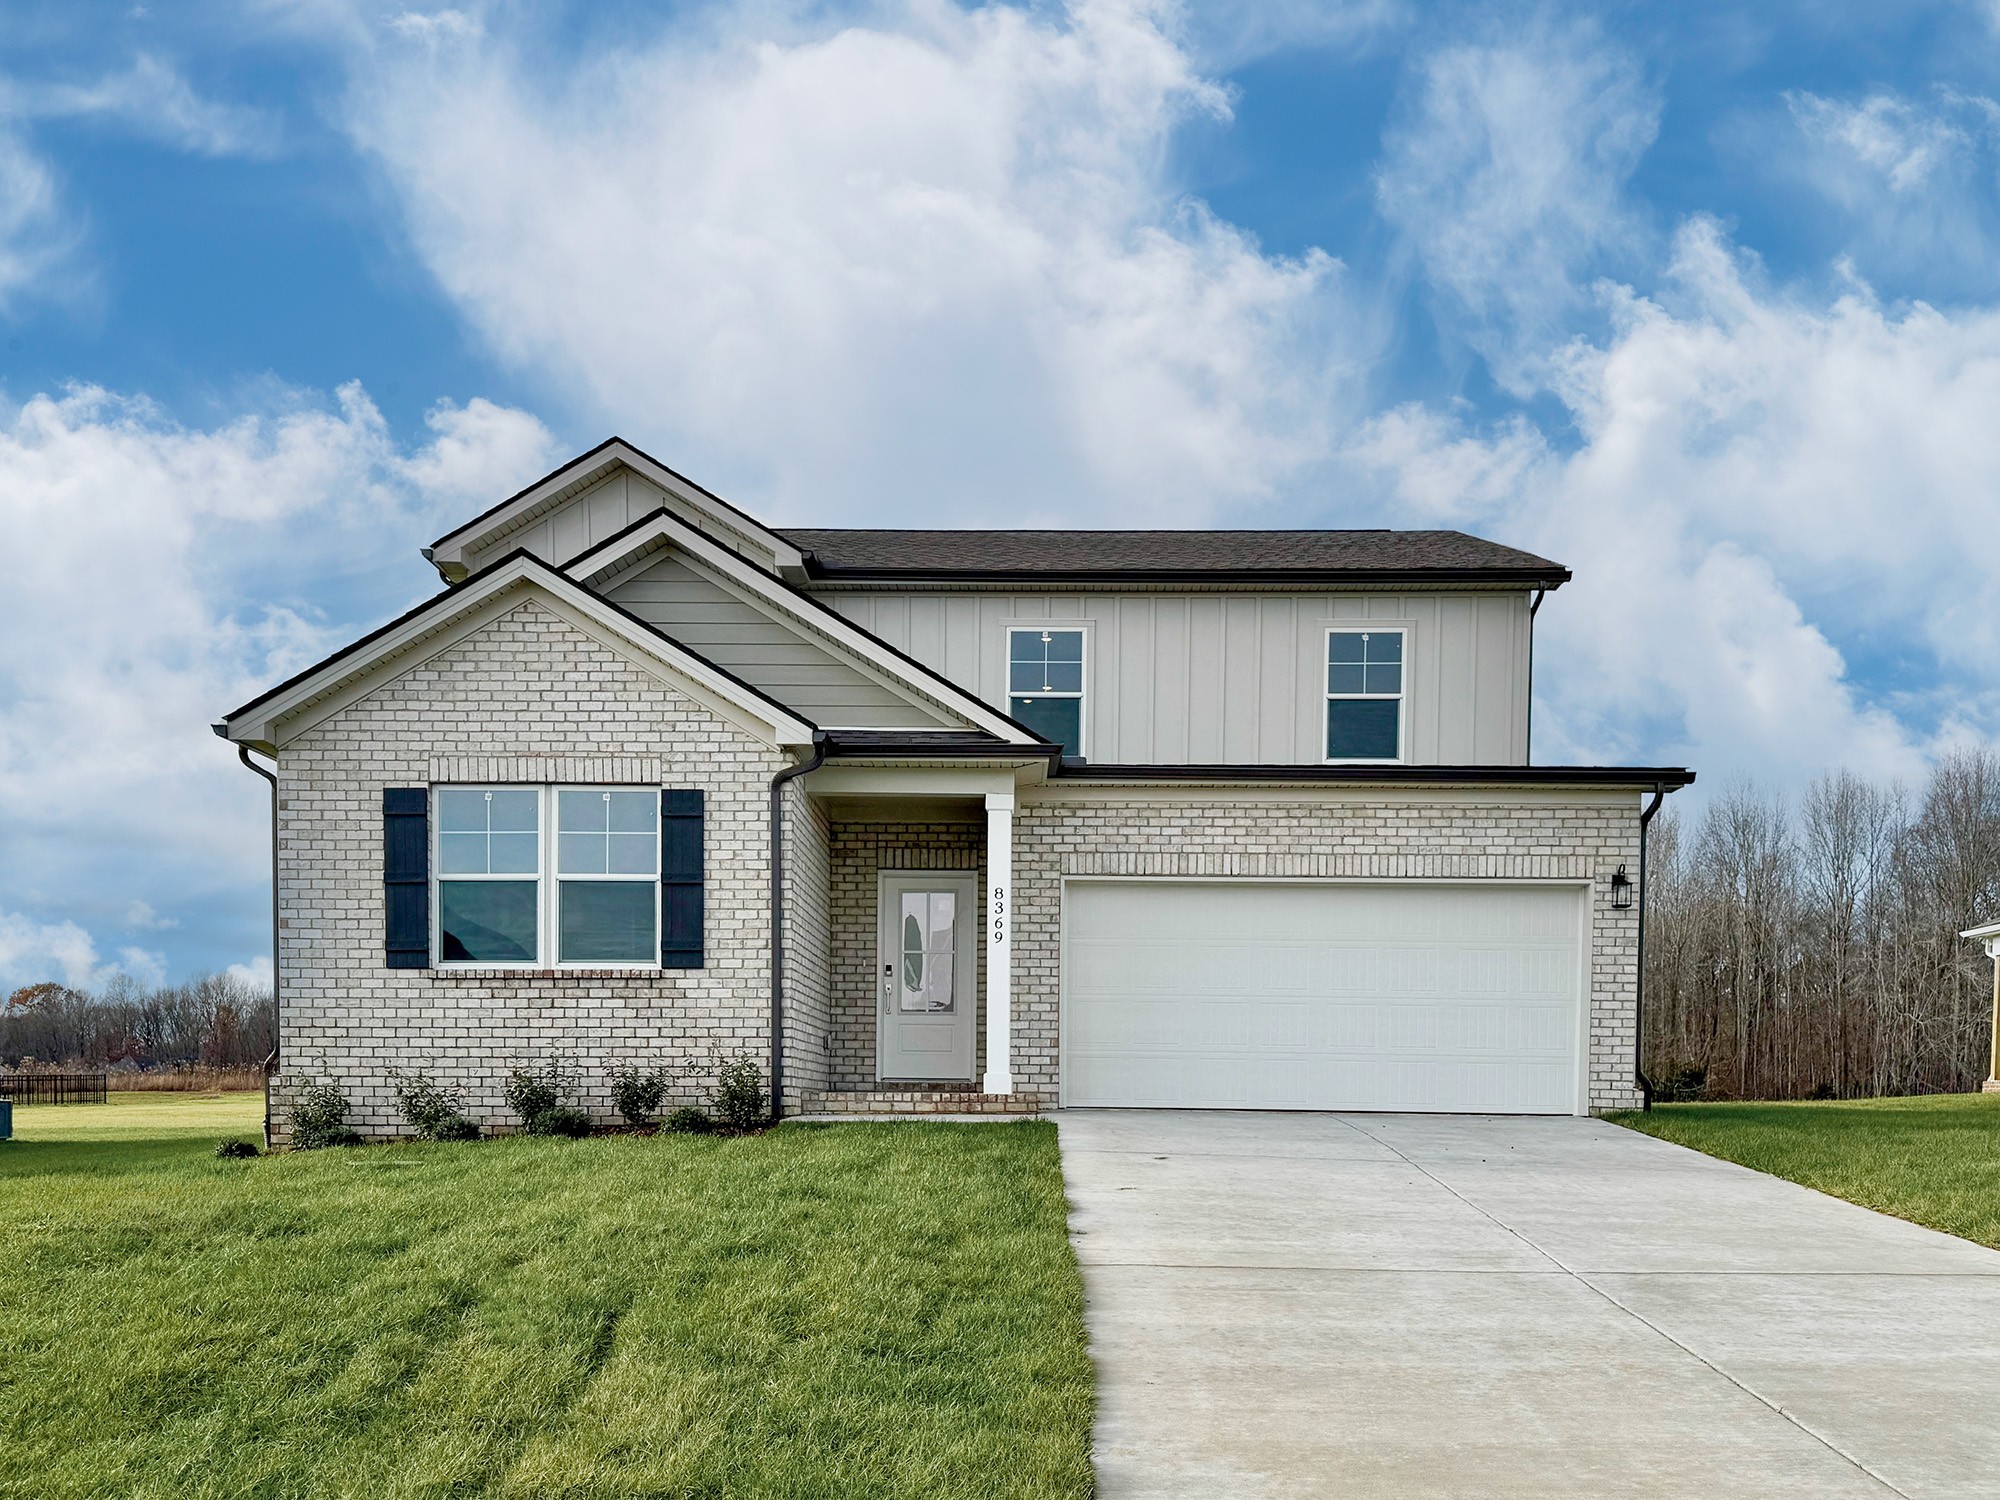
[(406, 876), (682, 862)]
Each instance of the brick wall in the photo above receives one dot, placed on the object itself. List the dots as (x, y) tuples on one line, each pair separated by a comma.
[(1371, 836), (526, 698), (859, 852)]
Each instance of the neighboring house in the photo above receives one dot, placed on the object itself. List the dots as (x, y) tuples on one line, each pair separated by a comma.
[(1211, 819), (1988, 936)]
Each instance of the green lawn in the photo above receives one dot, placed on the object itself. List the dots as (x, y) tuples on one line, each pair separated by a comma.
[(1934, 1159), (850, 1310)]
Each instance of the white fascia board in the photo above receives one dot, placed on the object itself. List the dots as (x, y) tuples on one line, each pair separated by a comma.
[(1989, 930), (804, 610), (450, 549), (428, 632)]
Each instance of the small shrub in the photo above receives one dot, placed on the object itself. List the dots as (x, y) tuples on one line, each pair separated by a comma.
[(236, 1150), (533, 1091), (687, 1120), (560, 1119), (435, 1111), (319, 1117), (637, 1092), (739, 1097), (1680, 1085), (1823, 1091)]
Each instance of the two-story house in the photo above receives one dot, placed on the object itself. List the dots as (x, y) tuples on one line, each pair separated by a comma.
[(950, 819)]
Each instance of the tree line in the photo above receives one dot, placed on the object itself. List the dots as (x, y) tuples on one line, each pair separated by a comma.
[(1812, 950), (216, 1021)]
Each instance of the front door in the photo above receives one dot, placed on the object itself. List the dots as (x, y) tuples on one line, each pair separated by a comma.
[(925, 994)]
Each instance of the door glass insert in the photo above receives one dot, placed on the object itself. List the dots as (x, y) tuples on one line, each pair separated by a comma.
[(926, 972)]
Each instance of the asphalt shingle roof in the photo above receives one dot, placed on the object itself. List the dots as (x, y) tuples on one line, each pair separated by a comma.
[(1439, 554)]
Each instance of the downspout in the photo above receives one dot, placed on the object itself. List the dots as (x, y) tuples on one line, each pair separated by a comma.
[(1639, 986), (271, 1062), (1528, 735), (790, 773)]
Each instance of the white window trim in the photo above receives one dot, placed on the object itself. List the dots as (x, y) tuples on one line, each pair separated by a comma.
[(548, 894), (1401, 697), (1007, 695)]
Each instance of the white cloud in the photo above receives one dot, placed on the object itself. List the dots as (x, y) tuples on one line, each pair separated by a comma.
[(140, 916), (34, 952), (870, 269), (1225, 35), (1886, 136), (152, 98), (1506, 176), (1763, 487), (36, 234), (1911, 182), (40, 229), (256, 973), (435, 28), (153, 576)]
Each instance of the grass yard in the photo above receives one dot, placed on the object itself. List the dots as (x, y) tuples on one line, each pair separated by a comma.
[(1934, 1159), (849, 1310)]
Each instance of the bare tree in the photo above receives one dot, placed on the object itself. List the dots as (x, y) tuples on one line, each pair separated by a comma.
[(216, 1020), (1818, 953)]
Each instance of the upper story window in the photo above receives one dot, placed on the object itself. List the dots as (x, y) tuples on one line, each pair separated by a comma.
[(1045, 683), (1364, 695), (508, 895)]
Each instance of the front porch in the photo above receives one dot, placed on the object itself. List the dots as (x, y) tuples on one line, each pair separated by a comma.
[(915, 866)]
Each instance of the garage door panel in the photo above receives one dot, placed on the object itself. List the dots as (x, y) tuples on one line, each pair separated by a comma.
[(1252, 995)]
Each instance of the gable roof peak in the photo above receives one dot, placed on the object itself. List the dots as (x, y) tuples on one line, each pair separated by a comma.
[(483, 539)]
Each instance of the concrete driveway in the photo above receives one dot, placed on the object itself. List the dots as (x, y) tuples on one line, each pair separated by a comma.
[(1422, 1305)]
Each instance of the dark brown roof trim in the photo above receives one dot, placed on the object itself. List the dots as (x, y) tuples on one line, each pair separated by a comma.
[(906, 744), (642, 627), (1140, 555), (1526, 578), (1666, 778)]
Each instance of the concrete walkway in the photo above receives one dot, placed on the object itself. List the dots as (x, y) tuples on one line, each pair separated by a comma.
[(1421, 1305)]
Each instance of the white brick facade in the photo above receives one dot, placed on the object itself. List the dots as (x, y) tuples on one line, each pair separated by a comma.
[(1369, 834), (531, 699), (1379, 834), (526, 698)]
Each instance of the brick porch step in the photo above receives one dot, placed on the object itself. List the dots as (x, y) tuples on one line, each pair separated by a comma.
[(942, 1099)]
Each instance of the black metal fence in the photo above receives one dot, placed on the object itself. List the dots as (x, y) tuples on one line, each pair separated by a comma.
[(54, 1088)]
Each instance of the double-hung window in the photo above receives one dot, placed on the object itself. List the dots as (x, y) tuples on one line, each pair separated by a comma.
[(508, 894), (489, 878), (1045, 682), (607, 876), (1364, 694)]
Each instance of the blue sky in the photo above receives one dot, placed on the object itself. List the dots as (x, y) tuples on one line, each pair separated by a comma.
[(1702, 300)]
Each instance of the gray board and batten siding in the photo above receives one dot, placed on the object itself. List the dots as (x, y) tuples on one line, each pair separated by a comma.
[(595, 512), (1233, 678), (764, 651)]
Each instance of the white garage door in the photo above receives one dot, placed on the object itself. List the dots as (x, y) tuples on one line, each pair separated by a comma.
[(1246, 995)]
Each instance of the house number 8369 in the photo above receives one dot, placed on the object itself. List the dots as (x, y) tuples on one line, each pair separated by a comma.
[(999, 913)]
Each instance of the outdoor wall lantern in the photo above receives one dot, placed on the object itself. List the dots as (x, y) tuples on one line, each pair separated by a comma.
[(1621, 890)]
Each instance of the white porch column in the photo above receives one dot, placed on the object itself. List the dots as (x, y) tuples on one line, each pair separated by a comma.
[(999, 918), (1992, 1084)]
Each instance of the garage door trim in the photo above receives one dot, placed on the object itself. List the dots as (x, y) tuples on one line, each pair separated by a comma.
[(1583, 888)]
